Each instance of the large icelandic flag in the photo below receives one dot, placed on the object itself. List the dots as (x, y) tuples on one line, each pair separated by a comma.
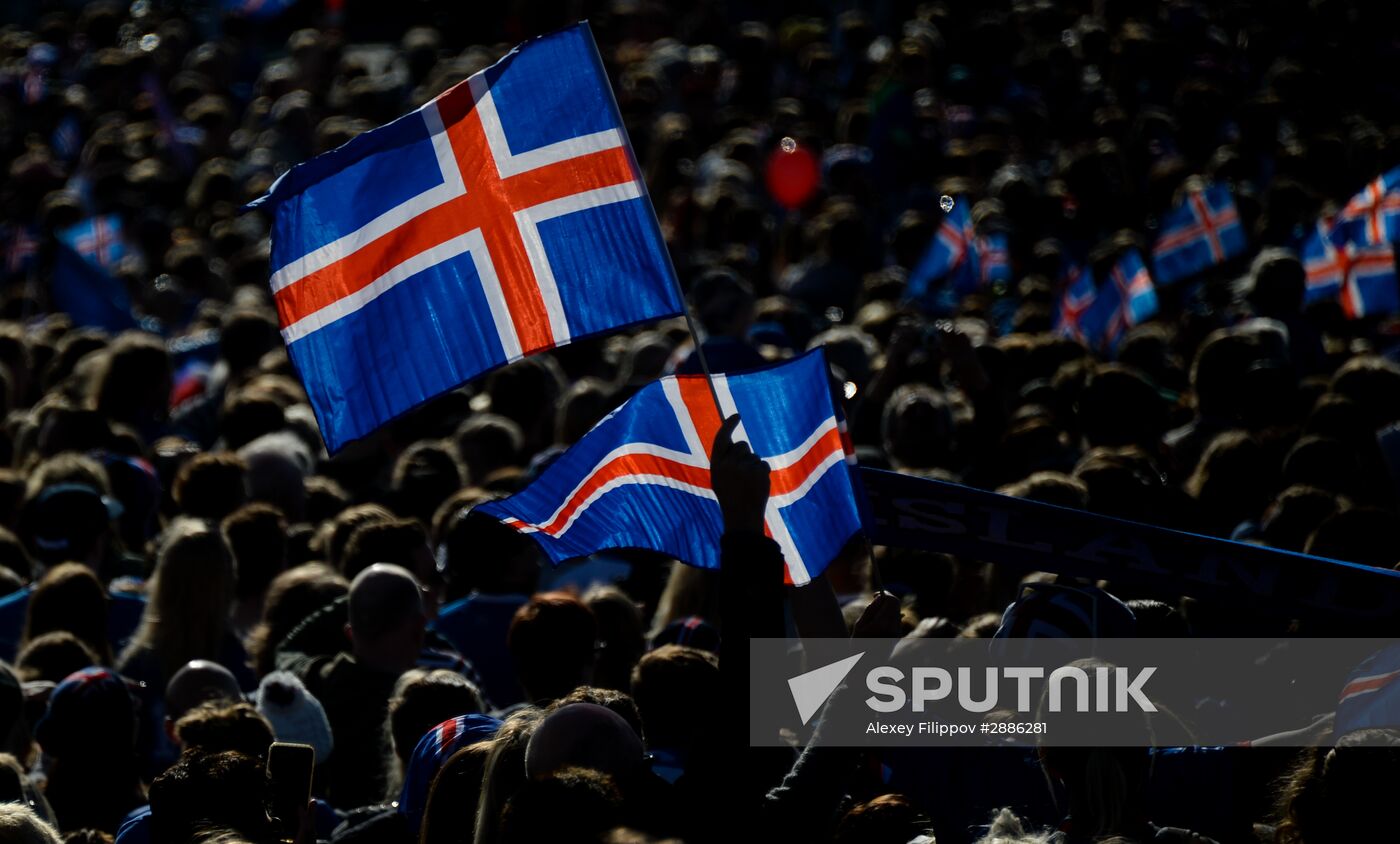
[(505, 217), (641, 477), (1204, 230)]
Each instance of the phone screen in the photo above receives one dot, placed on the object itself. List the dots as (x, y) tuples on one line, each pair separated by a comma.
[(289, 768)]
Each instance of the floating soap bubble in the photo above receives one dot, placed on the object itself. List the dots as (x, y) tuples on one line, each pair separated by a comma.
[(789, 145), (150, 41), (946, 203)]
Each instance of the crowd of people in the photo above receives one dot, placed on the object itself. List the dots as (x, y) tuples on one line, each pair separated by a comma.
[(186, 576)]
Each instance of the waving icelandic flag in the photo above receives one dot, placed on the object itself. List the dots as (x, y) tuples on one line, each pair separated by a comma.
[(1126, 299), (1372, 217), (1072, 318), (994, 258), (1370, 288), (505, 217), (83, 285), (1204, 230), (641, 477), (951, 254), (1324, 264), (1370, 698)]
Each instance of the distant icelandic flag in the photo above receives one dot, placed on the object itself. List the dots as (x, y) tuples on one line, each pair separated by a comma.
[(1127, 299), (641, 477), (21, 250), (503, 218), (1324, 263), (1076, 300), (1201, 232), (951, 255), (83, 285), (994, 257), (1372, 217), (1370, 286)]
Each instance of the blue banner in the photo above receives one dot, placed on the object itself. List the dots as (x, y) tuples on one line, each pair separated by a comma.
[(911, 512)]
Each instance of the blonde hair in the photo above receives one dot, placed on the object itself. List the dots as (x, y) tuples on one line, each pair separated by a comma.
[(186, 614), (504, 772), (20, 825), (1006, 828)]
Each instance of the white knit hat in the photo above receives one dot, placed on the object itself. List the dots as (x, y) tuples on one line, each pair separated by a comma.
[(295, 714)]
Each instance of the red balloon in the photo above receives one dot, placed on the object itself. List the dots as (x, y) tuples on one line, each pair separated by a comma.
[(792, 177)]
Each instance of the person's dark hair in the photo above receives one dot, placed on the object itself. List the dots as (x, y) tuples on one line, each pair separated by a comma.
[(619, 703), (205, 790), (249, 414), (133, 384), (396, 541), (1218, 372), (245, 336), (257, 536), (70, 598), (676, 688), (1363, 535), (568, 804), (1296, 513), (1118, 407), (486, 442), (211, 486), (325, 499), (1232, 481), (53, 656), (621, 635), (917, 427), (581, 407), (551, 641), (721, 300), (219, 726), (887, 818), (482, 554), (1372, 382), (1050, 488), (423, 699), (291, 597), (337, 534), (424, 475)]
